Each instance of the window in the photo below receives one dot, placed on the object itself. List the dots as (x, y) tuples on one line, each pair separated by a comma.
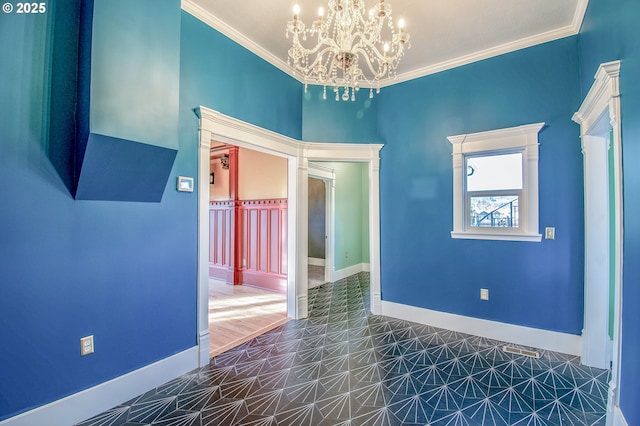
[(494, 189), (495, 184)]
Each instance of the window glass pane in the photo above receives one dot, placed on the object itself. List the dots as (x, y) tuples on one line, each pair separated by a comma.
[(494, 172), (497, 212)]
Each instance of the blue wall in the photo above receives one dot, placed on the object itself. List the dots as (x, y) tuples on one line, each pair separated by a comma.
[(73, 268), (350, 121), (531, 284), (70, 269), (610, 32), (219, 74)]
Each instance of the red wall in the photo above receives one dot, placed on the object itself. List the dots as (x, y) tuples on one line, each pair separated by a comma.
[(259, 258), (263, 225)]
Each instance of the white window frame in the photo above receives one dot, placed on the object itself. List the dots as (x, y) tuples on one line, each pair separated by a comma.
[(513, 139)]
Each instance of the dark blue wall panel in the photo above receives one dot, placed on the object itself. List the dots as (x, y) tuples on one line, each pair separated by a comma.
[(122, 170), (63, 94), (129, 95), (610, 32), (531, 284)]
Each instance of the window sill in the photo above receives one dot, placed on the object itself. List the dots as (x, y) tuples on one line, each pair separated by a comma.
[(535, 238)]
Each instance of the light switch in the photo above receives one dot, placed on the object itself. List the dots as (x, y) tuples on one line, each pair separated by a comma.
[(550, 233), (484, 294)]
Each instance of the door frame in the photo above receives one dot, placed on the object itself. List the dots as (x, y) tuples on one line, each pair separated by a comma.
[(599, 117), (214, 125)]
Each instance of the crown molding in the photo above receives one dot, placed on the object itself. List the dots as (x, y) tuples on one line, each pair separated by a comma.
[(578, 17), (485, 54), (208, 18)]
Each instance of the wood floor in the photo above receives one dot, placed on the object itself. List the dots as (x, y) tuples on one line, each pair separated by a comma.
[(239, 313)]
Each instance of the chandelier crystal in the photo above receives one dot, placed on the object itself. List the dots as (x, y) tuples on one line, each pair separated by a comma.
[(349, 48)]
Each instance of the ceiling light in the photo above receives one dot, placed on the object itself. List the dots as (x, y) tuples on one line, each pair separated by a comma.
[(349, 48)]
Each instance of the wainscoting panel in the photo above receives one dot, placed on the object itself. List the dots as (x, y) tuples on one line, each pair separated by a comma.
[(221, 241), (263, 229)]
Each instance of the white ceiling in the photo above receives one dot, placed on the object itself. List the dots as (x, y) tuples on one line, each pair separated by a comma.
[(444, 33)]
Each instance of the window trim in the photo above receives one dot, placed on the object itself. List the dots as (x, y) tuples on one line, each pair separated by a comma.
[(521, 138)]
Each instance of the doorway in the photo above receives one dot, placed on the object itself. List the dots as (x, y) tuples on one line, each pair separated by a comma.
[(321, 200), (600, 131), (247, 241), (214, 125), (317, 232)]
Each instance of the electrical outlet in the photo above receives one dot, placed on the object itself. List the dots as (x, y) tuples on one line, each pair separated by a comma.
[(484, 294), (86, 345), (550, 233)]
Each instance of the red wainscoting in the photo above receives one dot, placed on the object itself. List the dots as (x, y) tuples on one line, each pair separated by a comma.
[(257, 239), (263, 243), (221, 240)]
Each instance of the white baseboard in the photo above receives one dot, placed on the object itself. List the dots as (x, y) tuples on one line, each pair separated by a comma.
[(618, 417), (316, 262), (526, 336), (90, 402), (302, 309), (203, 344), (351, 270), (316, 284)]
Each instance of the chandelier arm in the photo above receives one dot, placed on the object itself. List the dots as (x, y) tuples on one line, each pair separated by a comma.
[(367, 60), (318, 58), (328, 42), (387, 58)]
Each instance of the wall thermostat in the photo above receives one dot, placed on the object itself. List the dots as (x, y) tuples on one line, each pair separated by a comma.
[(185, 184)]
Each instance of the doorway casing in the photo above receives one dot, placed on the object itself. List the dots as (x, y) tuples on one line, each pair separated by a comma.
[(599, 117), (215, 126)]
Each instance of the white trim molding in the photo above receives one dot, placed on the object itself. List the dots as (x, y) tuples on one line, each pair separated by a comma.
[(87, 403), (599, 118), (522, 138), (315, 261), (228, 31), (618, 418), (491, 52), (526, 336), (204, 151), (350, 270)]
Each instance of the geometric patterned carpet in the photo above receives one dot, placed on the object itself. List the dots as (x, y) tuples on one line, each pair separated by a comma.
[(344, 366)]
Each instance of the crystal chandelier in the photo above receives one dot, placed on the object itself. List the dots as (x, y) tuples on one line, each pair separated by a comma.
[(352, 48)]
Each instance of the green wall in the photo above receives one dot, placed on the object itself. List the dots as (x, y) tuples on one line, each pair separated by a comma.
[(365, 213), (351, 214)]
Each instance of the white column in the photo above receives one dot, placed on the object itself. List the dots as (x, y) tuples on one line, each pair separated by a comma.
[(595, 335), (297, 240), (374, 235), (204, 165)]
